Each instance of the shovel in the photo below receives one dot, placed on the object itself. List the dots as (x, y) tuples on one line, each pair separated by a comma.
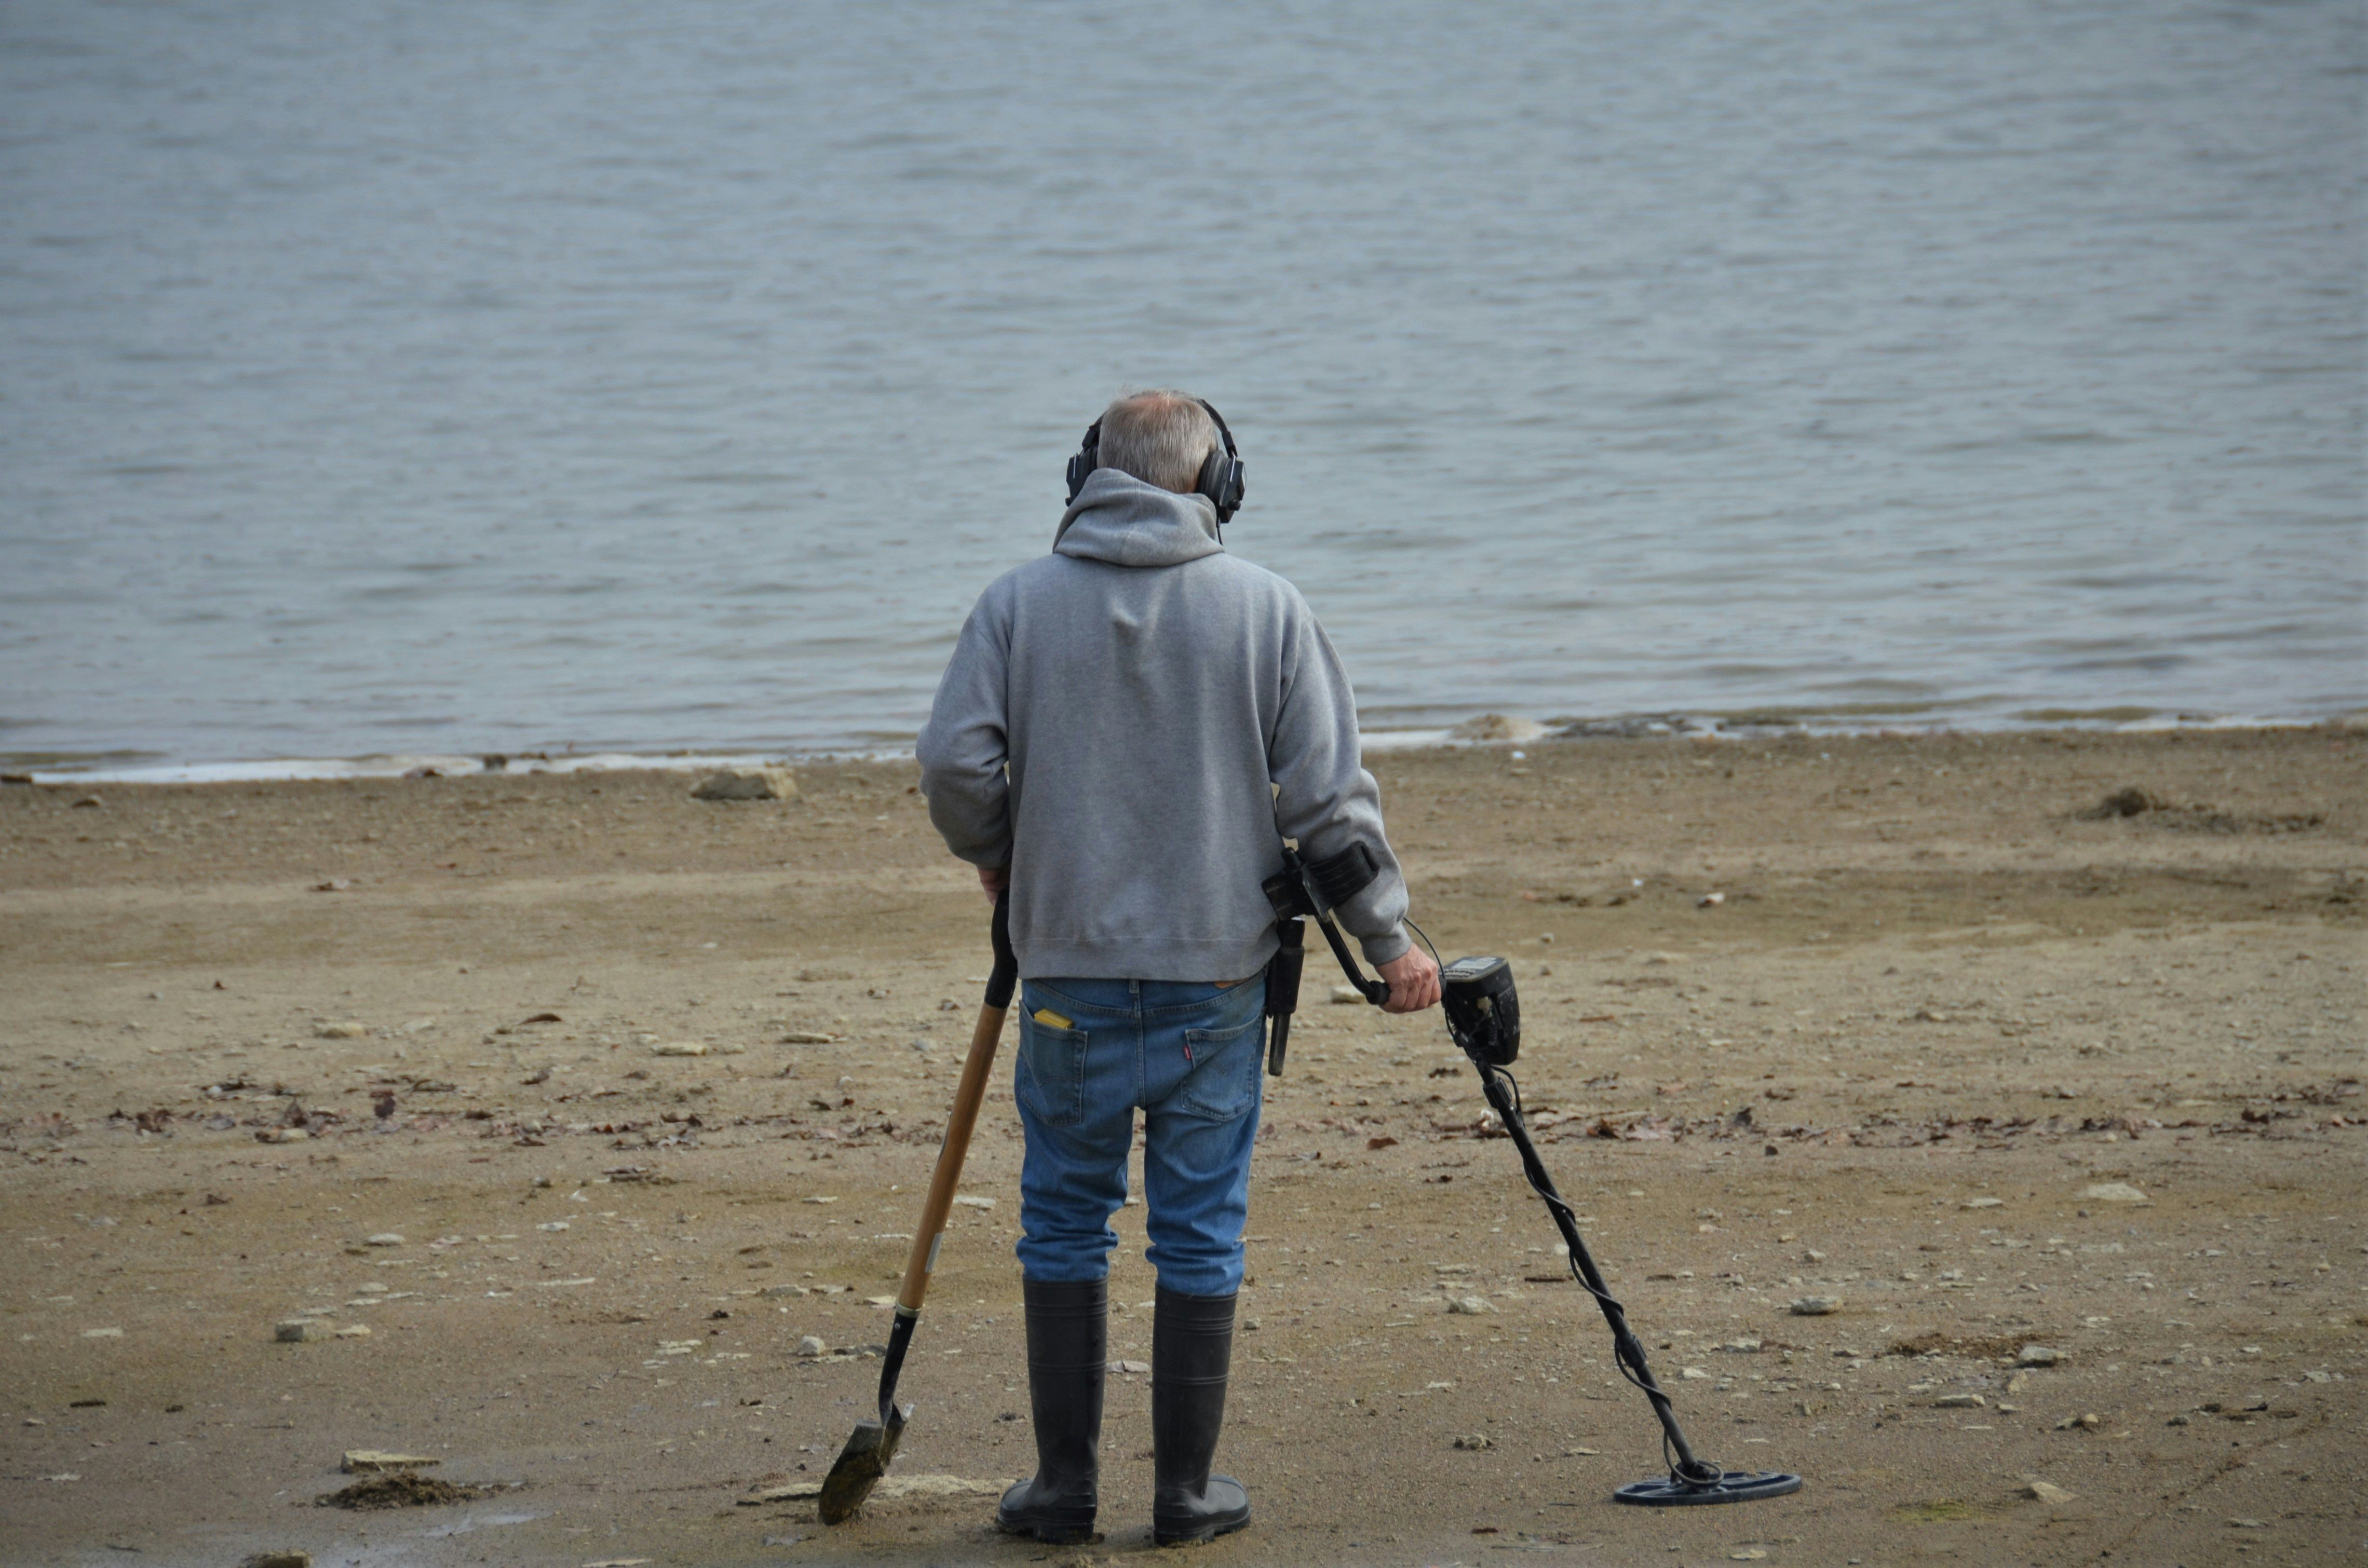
[(865, 1459)]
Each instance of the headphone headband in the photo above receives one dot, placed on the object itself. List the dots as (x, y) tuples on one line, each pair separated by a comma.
[(1220, 481)]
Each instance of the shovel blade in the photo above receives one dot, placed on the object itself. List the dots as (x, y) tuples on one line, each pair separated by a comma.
[(860, 1465)]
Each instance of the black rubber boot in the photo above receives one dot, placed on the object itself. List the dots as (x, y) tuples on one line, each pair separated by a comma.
[(1191, 1352), (1068, 1349)]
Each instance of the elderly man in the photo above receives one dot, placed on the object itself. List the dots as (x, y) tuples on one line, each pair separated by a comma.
[(1129, 730)]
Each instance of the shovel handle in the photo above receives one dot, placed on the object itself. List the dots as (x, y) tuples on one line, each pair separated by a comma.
[(968, 1096)]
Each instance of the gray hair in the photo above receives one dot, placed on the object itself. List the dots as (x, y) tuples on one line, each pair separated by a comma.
[(1162, 438)]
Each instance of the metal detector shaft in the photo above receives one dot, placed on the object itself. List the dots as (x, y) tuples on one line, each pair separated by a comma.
[(1625, 1344)]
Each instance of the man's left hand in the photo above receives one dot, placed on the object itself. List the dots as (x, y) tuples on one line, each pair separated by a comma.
[(1414, 982)]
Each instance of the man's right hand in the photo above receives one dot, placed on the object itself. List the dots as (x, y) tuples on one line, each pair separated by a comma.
[(1414, 982)]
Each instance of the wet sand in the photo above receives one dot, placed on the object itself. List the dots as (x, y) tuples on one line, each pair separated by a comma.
[(1936, 1031)]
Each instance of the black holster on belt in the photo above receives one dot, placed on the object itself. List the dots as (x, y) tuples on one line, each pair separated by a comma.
[(1301, 891), (1282, 990)]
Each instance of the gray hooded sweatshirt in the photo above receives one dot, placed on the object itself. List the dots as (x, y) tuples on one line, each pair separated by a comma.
[(1133, 724)]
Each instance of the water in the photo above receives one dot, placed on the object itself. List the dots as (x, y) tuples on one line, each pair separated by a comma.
[(438, 378)]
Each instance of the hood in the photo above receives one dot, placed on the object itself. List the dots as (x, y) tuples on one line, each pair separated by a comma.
[(1129, 522)]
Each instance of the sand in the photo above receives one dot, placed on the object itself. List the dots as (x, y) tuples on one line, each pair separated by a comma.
[(1989, 1072)]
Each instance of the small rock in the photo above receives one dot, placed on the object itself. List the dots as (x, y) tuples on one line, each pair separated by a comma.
[(353, 1331), (808, 1036), (783, 1290), (2086, 1423), (1983, 1203), (1474, 1441), (1961, 1401), (385, 1238), (1815, 1306), (345, 1030), (2038, 1355), (1346, 995), (298, 1330), (1741, 1347), (1471, 1306), (967, 1201), (1748, 1554), (2047, 1491), (1710, 901), (1694, 1374), (279, 1560), (2247, 1524), (1135, 1369), (2113, 1192), (102, 1334), (811, 1345), (1497, 727), (282, 1136), (679, 1048), (879, 1301), (747, 784), (370, 1461)]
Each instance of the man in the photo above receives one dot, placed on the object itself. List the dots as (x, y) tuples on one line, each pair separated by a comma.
[(1129, 728)]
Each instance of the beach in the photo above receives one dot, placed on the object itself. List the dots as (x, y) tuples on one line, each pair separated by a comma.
[(1972, 1124)]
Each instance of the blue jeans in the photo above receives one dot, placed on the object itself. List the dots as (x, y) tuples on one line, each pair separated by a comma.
[(1188, 1053)]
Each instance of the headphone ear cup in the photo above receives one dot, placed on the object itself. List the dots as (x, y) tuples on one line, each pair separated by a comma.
[(1221, 482), (1216, 469), (1088, 458)]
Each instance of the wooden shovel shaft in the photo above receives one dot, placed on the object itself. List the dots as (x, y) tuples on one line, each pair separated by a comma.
[(968, 1096)]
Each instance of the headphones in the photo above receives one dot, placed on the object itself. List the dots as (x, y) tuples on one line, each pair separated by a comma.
[(1220, 475)]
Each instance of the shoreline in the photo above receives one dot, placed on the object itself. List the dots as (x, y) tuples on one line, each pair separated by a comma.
[(1483, 730)]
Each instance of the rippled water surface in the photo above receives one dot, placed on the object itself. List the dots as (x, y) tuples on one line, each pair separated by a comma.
[(379, 376)]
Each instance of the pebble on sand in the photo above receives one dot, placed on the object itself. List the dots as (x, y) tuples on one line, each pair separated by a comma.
[(1346, 995), (679, 1048), (298, 1330), (1472, 1306), (746, 784), (278, 1559), (372, 1462), (811, 1345), (2038, 1355), (2113, 1192), (2048, 1492), (385, 1238), (1816, 1306), (347, 1028), (353, 1331)]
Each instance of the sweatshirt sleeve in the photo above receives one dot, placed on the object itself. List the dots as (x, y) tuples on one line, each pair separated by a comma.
[(1325, 797), (963, 747)]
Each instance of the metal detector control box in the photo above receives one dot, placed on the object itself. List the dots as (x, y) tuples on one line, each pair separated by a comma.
[(1484, 1011)]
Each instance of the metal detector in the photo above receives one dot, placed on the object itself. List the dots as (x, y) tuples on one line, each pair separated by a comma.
[(1484, 1018)]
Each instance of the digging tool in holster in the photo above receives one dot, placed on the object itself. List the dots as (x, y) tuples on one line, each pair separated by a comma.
[(1303, 891)]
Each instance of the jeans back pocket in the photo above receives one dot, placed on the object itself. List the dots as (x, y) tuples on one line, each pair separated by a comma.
[(1051, 1071), (1224, 1081)]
